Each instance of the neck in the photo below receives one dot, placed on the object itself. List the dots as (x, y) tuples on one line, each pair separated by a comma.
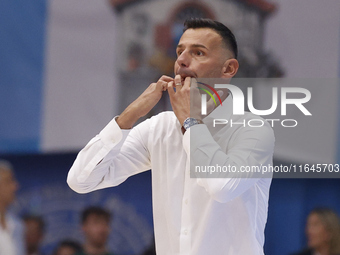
[(94, 250), (323, 250)]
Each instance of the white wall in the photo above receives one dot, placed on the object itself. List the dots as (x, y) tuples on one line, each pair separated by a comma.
[(304, 35)]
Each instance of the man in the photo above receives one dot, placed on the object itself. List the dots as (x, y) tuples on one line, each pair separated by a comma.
[(34, 234), (11, 228), (95, 223), (67, 247), (196, 216)]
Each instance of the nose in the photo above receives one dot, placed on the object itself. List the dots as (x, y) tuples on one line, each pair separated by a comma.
[(183, 60)]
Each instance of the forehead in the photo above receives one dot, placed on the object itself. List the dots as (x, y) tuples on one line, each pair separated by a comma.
[(313, 217), (204, 36)]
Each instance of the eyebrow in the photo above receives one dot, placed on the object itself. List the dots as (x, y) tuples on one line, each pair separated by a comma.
[(193, 46)]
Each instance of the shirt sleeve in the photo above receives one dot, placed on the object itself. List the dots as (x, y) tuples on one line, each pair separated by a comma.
[(249, 147), (110, 158)]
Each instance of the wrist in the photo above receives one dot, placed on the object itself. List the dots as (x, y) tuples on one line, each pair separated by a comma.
[(127, 118)]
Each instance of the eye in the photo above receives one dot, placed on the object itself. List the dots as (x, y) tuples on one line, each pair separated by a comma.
[(179, 52), (199, 53)]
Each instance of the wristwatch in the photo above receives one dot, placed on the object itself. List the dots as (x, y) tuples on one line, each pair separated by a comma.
[(190, 122)]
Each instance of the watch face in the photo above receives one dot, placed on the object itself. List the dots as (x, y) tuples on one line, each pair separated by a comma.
[(190, 122)]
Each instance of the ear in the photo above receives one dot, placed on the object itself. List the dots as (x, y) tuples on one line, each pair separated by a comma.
[(230, 68)]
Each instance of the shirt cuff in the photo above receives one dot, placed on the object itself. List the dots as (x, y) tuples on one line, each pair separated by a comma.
[(186, 142), (110, 136)]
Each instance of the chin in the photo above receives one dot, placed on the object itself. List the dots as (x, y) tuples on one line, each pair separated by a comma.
[(312, 245)]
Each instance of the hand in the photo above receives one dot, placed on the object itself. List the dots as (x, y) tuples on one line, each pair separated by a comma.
[(144, 103), (180, 99), (187, 100)]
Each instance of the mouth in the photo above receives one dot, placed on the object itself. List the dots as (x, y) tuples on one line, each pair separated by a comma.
[(183, 78), (185, 73)]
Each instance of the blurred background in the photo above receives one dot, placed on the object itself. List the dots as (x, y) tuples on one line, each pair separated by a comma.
[(67, 67)]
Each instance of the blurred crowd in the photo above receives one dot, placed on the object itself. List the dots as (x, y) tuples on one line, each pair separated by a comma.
[(24, 235), (322, 232)]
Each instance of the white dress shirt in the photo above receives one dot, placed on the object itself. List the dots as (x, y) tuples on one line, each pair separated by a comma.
[(11, 237), (196, 216)]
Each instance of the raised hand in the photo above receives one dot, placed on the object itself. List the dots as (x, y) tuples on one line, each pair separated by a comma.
[(180, 99), (144, 103), (186, 100)]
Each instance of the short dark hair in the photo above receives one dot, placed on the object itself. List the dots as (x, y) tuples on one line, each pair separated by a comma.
[(226, 34), (75, 245), (95, 210)]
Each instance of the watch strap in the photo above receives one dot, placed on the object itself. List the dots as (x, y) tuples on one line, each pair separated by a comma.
[(189, 122)]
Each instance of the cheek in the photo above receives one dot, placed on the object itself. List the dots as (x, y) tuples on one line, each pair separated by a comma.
[(211, 68), (318, 235), (6, 192), (102, 229), (325, 236), (208, 71)]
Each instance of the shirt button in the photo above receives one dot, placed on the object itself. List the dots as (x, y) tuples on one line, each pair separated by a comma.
[(186, 201), (185, 232)]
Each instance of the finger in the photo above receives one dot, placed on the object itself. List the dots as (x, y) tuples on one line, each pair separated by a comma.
[(161, 85), (220, 93), (171, 90), (193, 83), (187, 82), (210, 106), (178, 81), (195, 96), (166, 78), (165, 86), (211, 102), (218, 97)]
